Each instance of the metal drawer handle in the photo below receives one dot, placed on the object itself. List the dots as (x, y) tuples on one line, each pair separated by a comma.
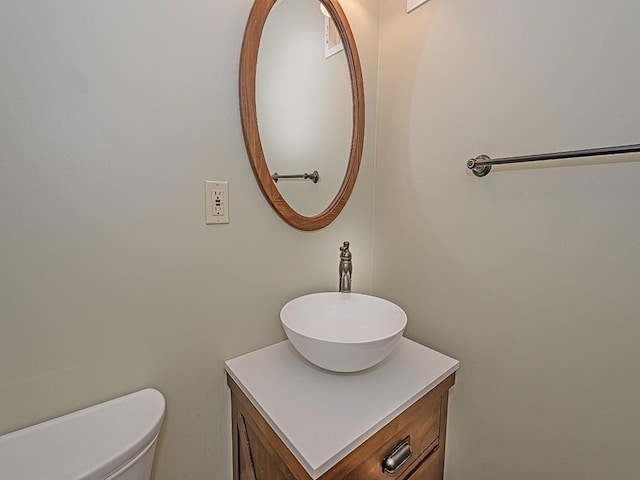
[(398, 456)]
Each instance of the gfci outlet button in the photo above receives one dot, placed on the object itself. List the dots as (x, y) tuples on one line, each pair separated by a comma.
[(216, 202)]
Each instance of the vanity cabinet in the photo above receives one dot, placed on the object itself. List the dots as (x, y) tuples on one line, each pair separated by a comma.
[(294, 421), (259, 454)]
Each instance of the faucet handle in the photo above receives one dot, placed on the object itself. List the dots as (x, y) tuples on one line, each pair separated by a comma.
[(345, 269), (345, 254)]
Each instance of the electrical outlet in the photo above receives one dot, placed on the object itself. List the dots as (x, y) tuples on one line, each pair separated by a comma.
[(216, 202)]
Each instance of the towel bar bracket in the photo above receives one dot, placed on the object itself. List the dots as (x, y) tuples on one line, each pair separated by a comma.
[(479, 170)]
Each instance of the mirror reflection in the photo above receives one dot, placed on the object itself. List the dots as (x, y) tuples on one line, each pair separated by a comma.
[(303, 104)]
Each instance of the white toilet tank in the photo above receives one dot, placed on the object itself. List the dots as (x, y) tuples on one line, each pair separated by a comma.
[(114, 440)]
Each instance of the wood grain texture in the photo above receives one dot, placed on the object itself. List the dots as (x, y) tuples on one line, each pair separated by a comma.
[(425, 422), (235, 441), (247, 92), (245, 458), (429, 468)]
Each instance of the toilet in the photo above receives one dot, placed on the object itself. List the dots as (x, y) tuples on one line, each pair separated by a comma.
[(114, 440)]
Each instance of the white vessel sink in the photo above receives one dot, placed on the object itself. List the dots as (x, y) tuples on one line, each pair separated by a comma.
[(343, 332)]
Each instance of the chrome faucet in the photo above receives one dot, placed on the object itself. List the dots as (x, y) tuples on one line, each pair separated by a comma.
[(345, 268)]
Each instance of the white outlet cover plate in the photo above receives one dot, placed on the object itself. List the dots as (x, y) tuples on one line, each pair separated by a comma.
[(216, 202), (413, 4)]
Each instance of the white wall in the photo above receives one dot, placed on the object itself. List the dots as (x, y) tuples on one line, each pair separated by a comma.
[(529, 276), (112, 115)]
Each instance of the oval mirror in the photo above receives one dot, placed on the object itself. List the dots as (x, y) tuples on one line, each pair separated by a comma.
[(302, 108)]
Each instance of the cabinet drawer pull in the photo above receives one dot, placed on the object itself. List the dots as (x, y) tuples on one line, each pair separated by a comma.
[(398, 456)]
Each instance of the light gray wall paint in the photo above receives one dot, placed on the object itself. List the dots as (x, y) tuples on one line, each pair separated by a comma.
[(529, 276), (112, 115)]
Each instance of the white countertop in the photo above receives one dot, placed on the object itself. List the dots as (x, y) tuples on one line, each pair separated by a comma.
[(323, 416)]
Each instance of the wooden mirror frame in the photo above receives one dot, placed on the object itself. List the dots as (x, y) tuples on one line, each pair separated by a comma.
[(247, 89)]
